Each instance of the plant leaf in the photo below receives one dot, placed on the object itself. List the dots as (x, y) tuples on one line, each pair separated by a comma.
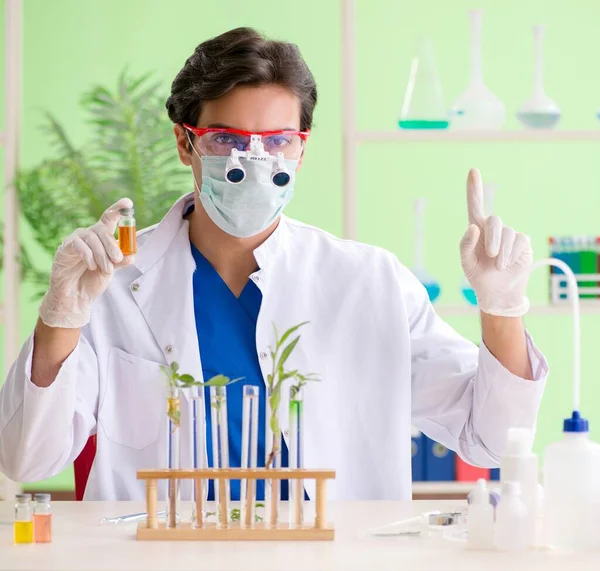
[(186, 379), (287, 352), (174, 366), (290, 331)]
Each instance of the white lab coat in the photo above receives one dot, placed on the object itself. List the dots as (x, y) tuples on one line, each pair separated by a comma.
[(386, 360)]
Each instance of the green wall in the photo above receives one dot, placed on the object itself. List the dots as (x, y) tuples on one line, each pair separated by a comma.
[(543, 189)]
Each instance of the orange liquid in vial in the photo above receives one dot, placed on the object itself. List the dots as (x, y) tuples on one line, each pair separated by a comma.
[(42, 528), (127, 241)]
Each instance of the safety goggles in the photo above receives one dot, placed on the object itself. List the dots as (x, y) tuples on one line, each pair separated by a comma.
[(220, 142)]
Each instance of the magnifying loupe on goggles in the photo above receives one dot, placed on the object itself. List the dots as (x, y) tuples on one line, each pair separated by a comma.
[(269, 146)]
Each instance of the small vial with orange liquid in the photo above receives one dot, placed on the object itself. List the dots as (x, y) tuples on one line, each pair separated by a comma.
[(23, 526), (127, 231), (42, 519)]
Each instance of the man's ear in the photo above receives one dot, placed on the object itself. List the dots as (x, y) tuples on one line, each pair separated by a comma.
[(184, 147)]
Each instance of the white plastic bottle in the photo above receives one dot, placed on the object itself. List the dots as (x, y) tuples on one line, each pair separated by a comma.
[(480, 518), (510, 533), (520, 464), (571, 488)]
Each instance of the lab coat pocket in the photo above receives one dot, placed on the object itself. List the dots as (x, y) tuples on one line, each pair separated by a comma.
[(133, 408)]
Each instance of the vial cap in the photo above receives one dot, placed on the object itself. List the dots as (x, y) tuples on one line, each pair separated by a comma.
[(480, 495), (41, 497), (126, 211), (22, 498), (576, 423)]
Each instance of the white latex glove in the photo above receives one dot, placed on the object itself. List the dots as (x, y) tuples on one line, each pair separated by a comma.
[(496, 259), (83, 266)]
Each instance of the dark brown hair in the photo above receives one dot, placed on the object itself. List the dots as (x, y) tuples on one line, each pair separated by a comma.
[(240, 57)]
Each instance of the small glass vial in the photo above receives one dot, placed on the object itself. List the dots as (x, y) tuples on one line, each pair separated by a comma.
[(23, 526), (127, 232), (42, 519)]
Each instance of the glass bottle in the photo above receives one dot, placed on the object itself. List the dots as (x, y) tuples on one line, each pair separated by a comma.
[(220, 450), (127, 232), (42, 518), (423, 106), (23, 526)]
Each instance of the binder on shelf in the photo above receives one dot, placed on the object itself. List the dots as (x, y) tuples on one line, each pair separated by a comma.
[(417, 455), (439, 462), (467, 473)]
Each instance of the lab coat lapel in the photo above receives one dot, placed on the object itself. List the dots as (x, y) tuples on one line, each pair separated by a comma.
[(165, 292)]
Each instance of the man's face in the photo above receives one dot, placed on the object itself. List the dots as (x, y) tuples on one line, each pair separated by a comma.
[(255, 109)]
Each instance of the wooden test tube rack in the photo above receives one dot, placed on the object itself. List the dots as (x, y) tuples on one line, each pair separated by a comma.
[(151, 529)]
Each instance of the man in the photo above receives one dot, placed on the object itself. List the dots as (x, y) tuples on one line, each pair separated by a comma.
[(224, 264)]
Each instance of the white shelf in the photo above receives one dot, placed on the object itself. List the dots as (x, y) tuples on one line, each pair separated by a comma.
[(435, 488), (448, 135), (591, 307)]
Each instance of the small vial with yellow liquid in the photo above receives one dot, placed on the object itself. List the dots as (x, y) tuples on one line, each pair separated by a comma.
[(23, 525), (127, 232)]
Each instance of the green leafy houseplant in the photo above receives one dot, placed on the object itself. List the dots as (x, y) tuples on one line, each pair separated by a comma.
[(279, 374), (176, 381), (129, 150)]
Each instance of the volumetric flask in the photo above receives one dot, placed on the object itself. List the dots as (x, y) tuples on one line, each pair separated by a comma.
[(423, 106), (477, 107)]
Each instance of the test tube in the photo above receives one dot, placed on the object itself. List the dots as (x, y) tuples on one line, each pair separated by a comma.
[(273, 459), (173, 456), (249, 452), (199, 452), (220, 450), (296, 428)]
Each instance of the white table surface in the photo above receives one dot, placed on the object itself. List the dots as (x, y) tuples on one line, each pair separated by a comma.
[(81, 543)]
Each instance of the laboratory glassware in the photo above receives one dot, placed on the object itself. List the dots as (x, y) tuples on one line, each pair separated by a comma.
[(23, 525), (173, 449), (250, 413), (126, 231), (423, 106), (42, 518), (539, 112), (296, 455), (429, 282), (199, 450), (220, 450), (477, 108), (273, 456)]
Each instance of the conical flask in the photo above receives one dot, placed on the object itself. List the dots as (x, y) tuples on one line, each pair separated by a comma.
[(539, 112), (477, 108), (423, 106), (429, 282)]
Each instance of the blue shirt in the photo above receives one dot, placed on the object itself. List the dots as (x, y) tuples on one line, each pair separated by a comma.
[(226, 327)]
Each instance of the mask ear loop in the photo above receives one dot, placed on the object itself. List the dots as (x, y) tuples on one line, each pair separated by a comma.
[(193, 149)]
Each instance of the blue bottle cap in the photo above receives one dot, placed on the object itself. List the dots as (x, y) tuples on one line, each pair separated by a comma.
[(576, 423)]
